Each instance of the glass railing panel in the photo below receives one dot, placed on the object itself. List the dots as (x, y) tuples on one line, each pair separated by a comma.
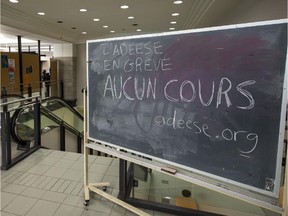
[(63, 112)]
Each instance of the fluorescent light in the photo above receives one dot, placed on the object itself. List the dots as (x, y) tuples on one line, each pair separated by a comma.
[(112, 31), (130, 17), (124, 7), (138, 30), (84, 33), (41, 13), (83, 10), (173, 22), (96, 20), (175, 14), (171, 29), (14, 1), (178, 2), (105, 26)]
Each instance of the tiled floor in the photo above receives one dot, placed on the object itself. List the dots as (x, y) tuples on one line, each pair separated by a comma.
[(50, 183)]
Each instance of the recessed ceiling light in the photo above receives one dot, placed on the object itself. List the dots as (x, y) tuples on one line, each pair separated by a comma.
[(112, 31), (173, 22), (14, 1), (175, 14), (96, 20), (178, 2), (105, 26), (171, 28), (138, 30), (84, 32), (130, 17), (41, 13), (83, 10), (124, 7)]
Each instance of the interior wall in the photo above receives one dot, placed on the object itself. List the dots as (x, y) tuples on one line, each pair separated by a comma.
[(81, 72)]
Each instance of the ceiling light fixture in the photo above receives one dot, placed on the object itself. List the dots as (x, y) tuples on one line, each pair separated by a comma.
[(84, 33), (138, 30), (178, 2), (171, 29), (175, 14), (105, 26), (112, 31), (173, 22), (96, 20), (83, 10), (124, 7), (41, 13), (130, 17), (14, 1)]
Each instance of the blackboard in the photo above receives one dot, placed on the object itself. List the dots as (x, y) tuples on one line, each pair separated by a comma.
[(207, 100)]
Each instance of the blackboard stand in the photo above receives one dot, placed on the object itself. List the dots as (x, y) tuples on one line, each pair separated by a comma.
[(94, 187)]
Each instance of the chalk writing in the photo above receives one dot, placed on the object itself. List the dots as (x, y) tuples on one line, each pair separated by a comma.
[(202, 128)]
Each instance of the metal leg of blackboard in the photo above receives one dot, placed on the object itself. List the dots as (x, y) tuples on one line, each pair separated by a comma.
[(94, 186)]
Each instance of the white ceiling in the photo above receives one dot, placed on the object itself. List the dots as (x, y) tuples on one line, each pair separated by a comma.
[(150, 16)]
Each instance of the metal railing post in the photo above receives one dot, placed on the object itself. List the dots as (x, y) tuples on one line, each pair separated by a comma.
[(5, 140), (37, 123), (62, 137)]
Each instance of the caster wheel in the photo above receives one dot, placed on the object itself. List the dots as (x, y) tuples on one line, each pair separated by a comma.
[(104, 188), (86, 202)]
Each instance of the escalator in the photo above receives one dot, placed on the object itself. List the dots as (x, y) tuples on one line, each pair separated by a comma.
[(54, 113)]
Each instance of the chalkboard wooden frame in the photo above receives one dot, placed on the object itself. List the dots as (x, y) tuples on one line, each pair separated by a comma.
[(164, 64)]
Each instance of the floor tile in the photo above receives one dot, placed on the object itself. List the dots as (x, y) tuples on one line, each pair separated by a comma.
[(64, 163), (43, 208), (49, 161), (71, 156), (114, 182), (54, 196), (103, 160), (91, 158), (14, 188), (20, 205), (56, 172), (78, 189), (38, 169), (98, 168), (115, 162), (7, 214), (12, 177), (93, 177), (6, 198), (33, 192), (117, 211), (74, 175), (90, 212), (65, 210), (57, 154), (113, 171), (76, 201), (79, 165), (71, 187), (100, 206), (63, 187), (22, 167)]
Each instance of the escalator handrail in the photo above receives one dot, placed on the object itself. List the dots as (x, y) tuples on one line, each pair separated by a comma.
[(48, 114), (66, 104)]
